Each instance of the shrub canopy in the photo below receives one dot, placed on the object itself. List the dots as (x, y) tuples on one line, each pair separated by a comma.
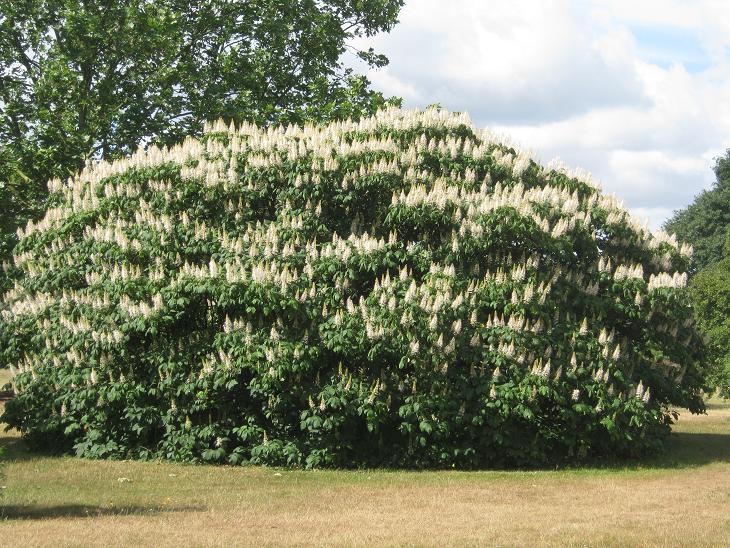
[(403, 291)]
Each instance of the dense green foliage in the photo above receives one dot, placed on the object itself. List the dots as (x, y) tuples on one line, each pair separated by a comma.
[(402, 291), (710, 290), (20, 201), (704, 223), (84, 79)]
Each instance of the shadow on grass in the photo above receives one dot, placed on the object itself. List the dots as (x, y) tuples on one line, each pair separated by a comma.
[(686, 449), (683, 450), (14, 448), (85, 511)]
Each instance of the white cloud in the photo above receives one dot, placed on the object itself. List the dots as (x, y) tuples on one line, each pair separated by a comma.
[(605, 85), (504, 61)]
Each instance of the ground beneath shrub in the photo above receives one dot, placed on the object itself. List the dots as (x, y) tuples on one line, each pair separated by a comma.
[(681, 498)]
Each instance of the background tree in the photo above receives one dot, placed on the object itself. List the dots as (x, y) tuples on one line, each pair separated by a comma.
[(704, 223), (84, 79), (710, 290)]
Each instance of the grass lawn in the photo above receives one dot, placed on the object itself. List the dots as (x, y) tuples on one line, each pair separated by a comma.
[(680, 498)]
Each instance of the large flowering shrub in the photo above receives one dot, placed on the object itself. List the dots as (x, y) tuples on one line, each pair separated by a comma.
[(403, 291)]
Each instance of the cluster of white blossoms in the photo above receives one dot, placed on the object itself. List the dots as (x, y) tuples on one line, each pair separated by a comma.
[(664, 279), (624, 272), (484, 296)]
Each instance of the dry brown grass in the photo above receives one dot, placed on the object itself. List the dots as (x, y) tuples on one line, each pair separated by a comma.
[(682, 498)]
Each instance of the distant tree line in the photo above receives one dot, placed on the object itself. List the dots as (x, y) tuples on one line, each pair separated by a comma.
[(706, 225)]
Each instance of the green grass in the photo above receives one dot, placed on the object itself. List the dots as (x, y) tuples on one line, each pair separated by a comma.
[(679, 498)]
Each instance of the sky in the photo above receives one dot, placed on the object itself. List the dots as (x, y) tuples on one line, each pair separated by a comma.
[(635, 92)]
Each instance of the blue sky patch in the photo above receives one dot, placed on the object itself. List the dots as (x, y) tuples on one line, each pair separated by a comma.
[(665, 45)]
